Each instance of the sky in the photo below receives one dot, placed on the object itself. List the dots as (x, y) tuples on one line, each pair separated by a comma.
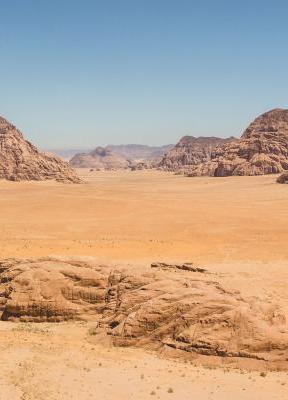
[(87, 73)]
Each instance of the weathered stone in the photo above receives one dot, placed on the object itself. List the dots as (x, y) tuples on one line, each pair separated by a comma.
[(185, 267), (262, 149), (146, 307), (283, 178), (190, 151), (21, 161)]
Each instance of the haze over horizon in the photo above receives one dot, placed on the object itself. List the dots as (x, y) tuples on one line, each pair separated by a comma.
[(80, 74)]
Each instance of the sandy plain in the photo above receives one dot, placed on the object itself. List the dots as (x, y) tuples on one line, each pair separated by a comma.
[(236, 226)]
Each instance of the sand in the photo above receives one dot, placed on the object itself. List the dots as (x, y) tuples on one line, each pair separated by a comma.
[(144, 216), (235, 226), (53, 362)]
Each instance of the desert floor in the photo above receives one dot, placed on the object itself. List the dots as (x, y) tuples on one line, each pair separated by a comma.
[(237, 226), (144, 216)]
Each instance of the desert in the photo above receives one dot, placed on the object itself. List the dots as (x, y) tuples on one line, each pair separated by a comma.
[(143, 200), (123, 220), (147, 216)]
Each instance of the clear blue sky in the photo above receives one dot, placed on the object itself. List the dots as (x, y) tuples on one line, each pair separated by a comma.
[(83, 73)]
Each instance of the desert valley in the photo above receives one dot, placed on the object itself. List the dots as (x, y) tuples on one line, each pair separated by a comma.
[(146, 272)]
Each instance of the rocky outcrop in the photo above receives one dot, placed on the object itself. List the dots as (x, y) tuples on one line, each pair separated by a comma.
[(262, 149), (185, 267), (190, 151), (162, 308), (100, 159), (21, 161), (283, 178)]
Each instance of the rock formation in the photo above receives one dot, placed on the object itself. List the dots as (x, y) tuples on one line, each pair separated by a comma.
[(20, 160), (176, 308), (100, 159), (262, 149), (190, 151), (185, 267), (283, 178), (139, 153), (139, 166), (113, 157)]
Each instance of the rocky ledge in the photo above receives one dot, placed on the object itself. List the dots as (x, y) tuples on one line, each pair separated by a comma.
[(164, 307)]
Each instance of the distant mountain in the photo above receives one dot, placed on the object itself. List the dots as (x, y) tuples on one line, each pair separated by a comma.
[(136, 153), (190, 151), (100, 159), (67, 153), (140, 152)]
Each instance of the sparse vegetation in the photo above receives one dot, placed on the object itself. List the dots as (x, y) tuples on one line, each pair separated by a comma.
[(32, 328)]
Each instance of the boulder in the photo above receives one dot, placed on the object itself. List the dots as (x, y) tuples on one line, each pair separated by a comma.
[(283, 178)]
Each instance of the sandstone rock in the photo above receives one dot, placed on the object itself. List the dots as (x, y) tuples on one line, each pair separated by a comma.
[(20, 160), (190, 151), (283, 178), (146, 307), (100, 159), (185, 267), (262, 149)]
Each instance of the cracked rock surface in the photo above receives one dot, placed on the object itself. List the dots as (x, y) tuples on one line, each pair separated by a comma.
[(187, 310)]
